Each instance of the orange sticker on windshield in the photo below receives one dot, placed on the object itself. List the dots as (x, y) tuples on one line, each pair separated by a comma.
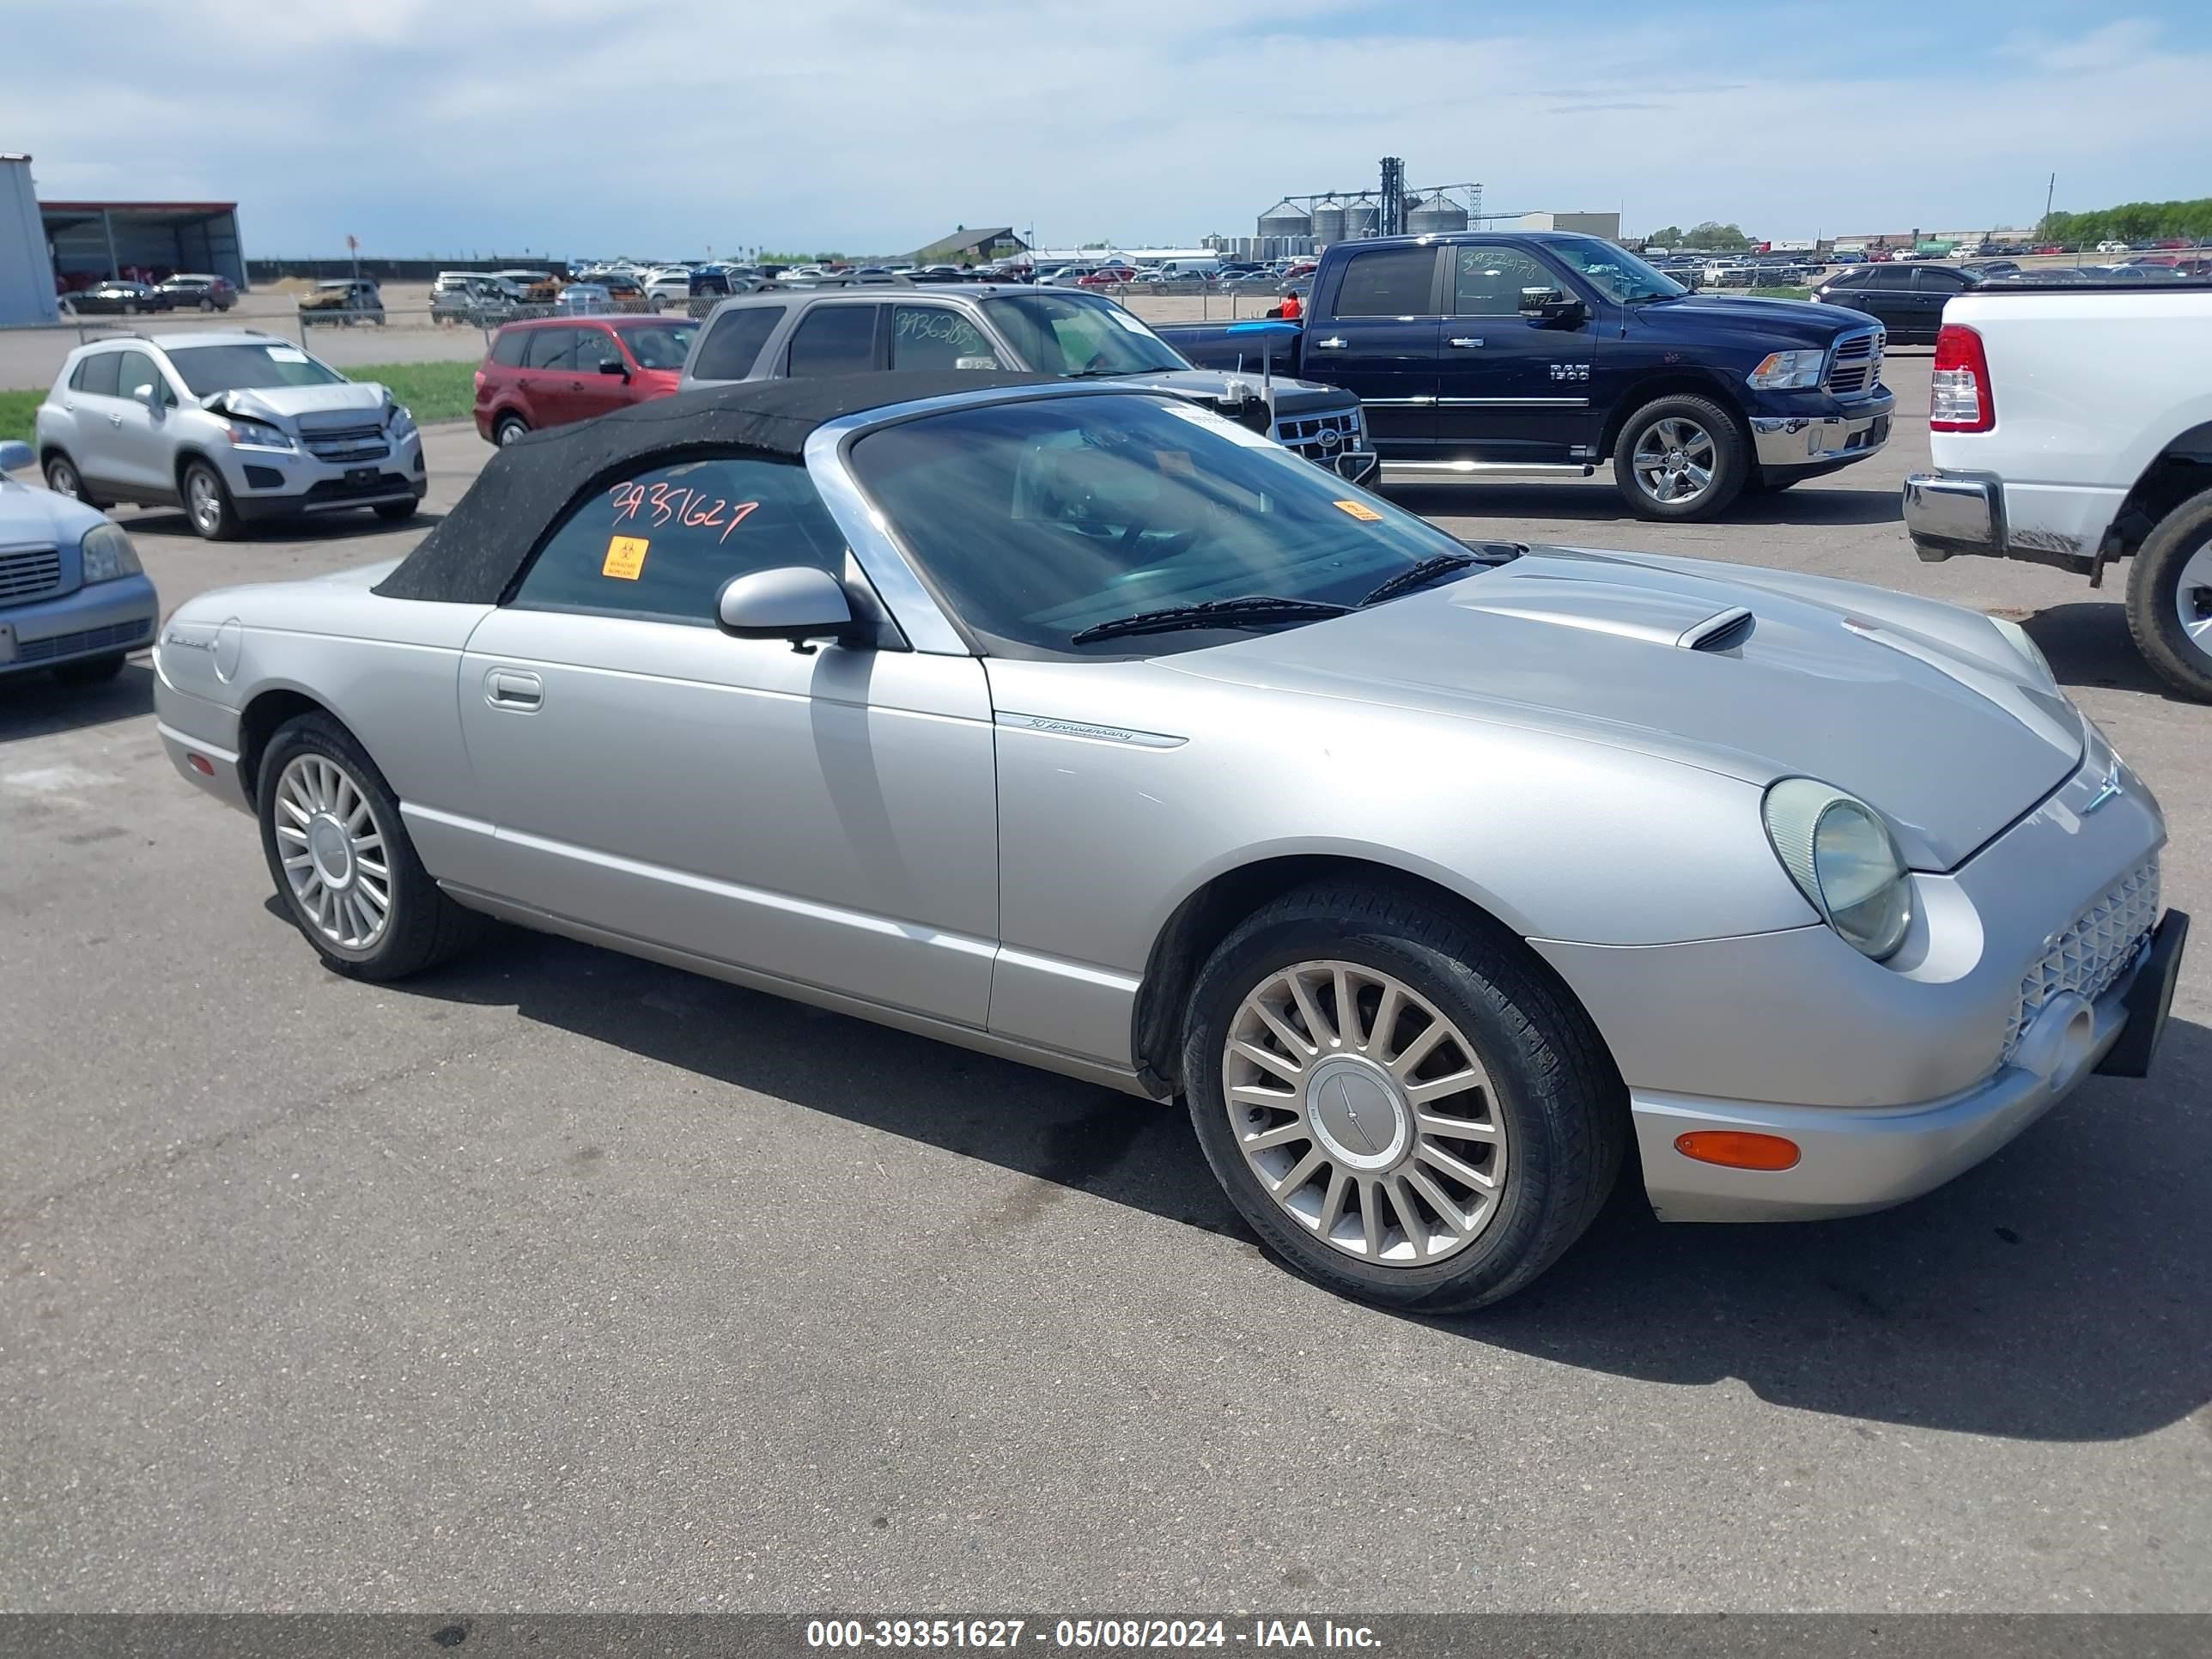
[(625, 558), (1360, 511), (1177, 460)]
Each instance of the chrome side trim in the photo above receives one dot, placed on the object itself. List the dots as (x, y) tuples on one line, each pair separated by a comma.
[(1084, 732), (1455, 469), (896, 581), (1511, 402), (1061, 968), (1397, 402)]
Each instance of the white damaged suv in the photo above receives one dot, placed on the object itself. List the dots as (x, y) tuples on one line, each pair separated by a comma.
[(235, 427)]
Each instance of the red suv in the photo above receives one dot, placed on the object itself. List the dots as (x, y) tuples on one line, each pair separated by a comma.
[(553, 370)]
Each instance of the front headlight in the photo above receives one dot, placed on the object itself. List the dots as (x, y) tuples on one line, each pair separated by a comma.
[(1789, 371), (2017, 637), (1841, 855), (401, 422), (106, 554), (257, 434)]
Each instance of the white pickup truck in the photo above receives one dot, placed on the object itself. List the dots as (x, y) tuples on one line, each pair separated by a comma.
[(2072, 426)]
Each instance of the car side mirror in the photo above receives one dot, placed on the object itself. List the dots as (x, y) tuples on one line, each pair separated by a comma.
[(614, 365), (16, 455), (799, 603), (1548, 305), (147, 395)]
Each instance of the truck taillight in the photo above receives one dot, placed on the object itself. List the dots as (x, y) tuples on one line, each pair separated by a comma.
[(1958, 398)]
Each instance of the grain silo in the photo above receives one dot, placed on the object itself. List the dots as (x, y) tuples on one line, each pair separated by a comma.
[(1327, 221), (1286, 219), (1437, 217), (1360, 220)]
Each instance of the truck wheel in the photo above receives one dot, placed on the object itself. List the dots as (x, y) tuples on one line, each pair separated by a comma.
[(1402, 1109), (2170, 599), (1681, 460)]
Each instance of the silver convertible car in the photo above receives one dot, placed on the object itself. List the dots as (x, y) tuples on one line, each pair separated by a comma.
[(1083, 726)]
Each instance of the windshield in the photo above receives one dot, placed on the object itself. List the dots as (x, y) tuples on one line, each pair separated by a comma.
[(1615, 271), (1063, 333), (1038, 520), (659, 345), (208, 369)]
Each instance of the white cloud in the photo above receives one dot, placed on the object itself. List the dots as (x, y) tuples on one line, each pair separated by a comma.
[(872, 126)]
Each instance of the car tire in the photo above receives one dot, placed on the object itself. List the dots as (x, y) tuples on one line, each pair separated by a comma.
[(207, 305), (1678, 438), (208, 507), (90, 670), (397, 512), (319, 798), (1554, 1105), (63, 479), (2170, 591), (507, 428)]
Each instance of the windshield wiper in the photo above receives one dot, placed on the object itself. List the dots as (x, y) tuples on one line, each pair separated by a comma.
[(1253, 610), (1418, 575)]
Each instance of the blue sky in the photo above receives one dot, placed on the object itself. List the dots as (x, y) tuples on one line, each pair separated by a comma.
[(570, 126)]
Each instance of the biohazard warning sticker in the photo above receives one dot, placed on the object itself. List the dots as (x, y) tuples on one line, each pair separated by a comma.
[(626, 557)]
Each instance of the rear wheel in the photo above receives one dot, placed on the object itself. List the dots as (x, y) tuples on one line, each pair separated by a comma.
[(1395, 1100), (508, 428), (2170, 598), (344, 868), (207, 305), (208, 504), (1680, 459)]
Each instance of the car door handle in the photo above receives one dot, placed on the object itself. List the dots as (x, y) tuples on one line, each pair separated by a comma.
[(1465, 343), (510, 688), (1334, 342)]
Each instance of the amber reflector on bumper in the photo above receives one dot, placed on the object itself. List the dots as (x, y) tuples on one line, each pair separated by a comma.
[(1738, 1149)]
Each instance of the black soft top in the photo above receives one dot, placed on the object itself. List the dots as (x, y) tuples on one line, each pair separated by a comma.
[(475, 553)]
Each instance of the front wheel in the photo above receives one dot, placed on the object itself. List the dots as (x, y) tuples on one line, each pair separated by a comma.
[(1679, 460), (2170, 599), (208, 504), (1402, 1106), (344, 868)]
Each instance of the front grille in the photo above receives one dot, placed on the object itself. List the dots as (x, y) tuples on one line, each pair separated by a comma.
[(1856, 365), (27, 575), (2093, 951), (346, 444), (116, 637), (1304, 433)]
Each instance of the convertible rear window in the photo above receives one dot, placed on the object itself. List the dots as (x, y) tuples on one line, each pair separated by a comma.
[(659, 542), (1039, 519)]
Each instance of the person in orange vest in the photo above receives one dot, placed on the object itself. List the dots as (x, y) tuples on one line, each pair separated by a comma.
[(1292, 309)]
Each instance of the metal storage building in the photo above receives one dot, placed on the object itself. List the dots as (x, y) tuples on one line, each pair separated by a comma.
[(92, 241)]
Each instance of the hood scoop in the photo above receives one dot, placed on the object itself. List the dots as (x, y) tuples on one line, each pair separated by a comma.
[(1621, 608)]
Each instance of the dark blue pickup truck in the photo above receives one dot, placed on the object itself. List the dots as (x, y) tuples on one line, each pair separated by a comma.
[(1519, 352)]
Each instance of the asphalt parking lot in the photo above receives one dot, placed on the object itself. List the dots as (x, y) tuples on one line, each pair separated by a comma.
[(557, 1280)]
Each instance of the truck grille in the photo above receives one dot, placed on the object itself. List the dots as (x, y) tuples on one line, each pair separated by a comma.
[(1856, 365), (1320, 437), (346, 444), (28, 573), (2093, 951)]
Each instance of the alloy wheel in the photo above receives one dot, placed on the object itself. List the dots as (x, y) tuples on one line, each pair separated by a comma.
[(1673, 461), (204, 500), (334, 852), (62, 479), (2192, 600), (1365, 1113)]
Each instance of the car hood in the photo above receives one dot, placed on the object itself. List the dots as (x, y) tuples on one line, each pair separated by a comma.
[(1228, 389), (1921, 709), (1702, 315), (38, 518), (286, 402)]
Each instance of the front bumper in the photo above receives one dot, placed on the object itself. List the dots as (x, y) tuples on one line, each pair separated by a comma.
[(1821, 443), (1851, 1163), (97, 621), (278, 483)]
